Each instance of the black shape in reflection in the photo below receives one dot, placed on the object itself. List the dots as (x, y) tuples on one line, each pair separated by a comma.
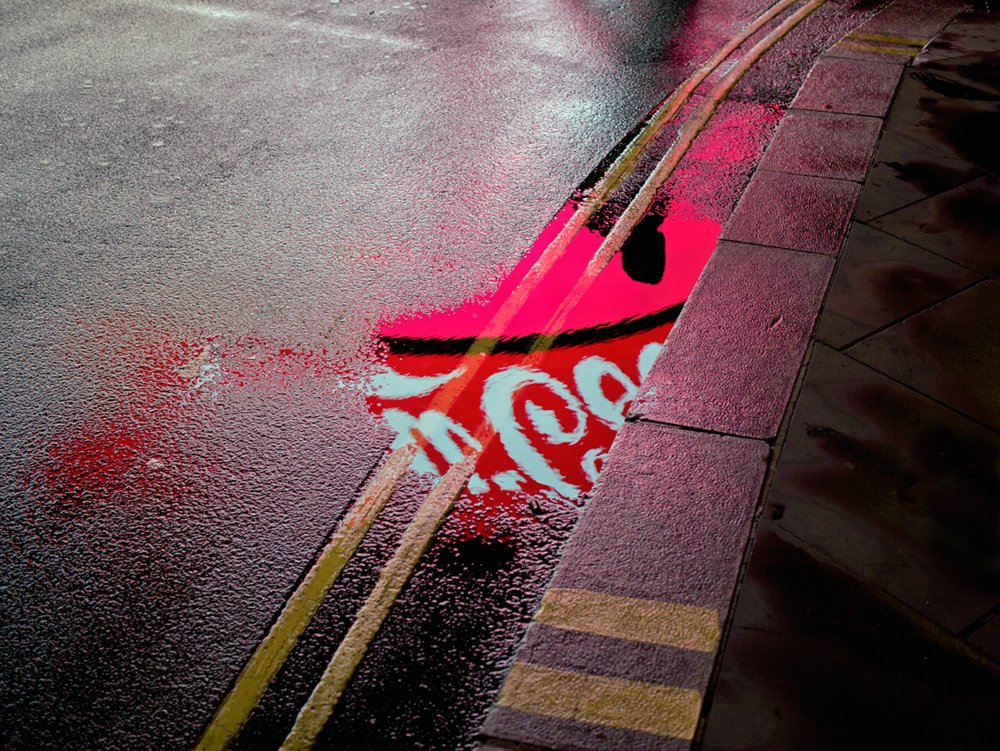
[(476, 556), (644, 254)]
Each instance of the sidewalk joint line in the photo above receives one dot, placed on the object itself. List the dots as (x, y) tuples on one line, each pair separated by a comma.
[(860, 181), (832, 113), (831, 256), (706, 431), (843, 348), (916, 200), (806, 174), (932, 629), (979, 622), (930, 250), (930, 397)]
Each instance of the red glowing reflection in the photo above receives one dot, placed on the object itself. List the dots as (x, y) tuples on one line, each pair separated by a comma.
[(552, 416)]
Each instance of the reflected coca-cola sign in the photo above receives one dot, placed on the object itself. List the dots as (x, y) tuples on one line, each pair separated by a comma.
[(540, 418), (550, 412)]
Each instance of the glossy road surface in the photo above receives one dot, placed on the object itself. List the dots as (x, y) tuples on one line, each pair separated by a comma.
[(212, 215)]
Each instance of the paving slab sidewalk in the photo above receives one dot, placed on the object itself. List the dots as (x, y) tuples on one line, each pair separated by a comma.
[(869, 614), (829, 395)]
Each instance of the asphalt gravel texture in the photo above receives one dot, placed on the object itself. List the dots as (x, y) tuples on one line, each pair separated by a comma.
[(205, 210)]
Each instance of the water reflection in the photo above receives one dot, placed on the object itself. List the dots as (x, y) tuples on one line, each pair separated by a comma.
[(554, 415)]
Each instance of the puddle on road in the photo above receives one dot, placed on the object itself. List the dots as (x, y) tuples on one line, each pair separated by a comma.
[(556, 418), (439, 657)]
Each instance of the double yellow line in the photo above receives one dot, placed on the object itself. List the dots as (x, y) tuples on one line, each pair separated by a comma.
[(882, 44), (269, 656)]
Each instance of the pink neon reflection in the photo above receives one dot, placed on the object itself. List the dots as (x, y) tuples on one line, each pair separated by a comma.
[(555, 419), (617, 321), (613, 298)]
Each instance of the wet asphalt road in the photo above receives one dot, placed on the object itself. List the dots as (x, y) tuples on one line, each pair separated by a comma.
[(205, 210)]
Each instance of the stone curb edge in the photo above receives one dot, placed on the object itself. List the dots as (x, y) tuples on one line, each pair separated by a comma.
[(623, 648)]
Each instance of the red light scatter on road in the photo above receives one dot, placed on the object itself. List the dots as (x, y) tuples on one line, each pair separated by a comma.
[(128, 448), (554, 420)]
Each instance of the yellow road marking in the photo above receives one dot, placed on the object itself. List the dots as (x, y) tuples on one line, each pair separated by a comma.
[(317, 711), (429, 517), (612, 702), (271, 653), (887, 38), (649, 621), (876, 49), (268, 658), (672, 105), (620, 167), (639, 205), (339, 671)]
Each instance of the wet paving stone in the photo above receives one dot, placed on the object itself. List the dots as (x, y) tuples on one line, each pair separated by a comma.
[(925, 351), (869, 615), (959, 224), (819, 660), (925, 149), (667, 518), (857, 87), (812, 143), (895, 182), (882, 279), (896, 488), (650, 568), (616, 658), (734, 354), (793, 211), (949, 108)]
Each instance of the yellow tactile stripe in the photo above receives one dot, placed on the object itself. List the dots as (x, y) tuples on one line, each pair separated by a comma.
[(612, 702), (887, 39), (650, 621), (877, 49)]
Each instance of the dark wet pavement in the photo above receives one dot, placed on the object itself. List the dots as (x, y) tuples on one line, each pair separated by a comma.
[(208, 211), (868, 617), (205, 211)]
